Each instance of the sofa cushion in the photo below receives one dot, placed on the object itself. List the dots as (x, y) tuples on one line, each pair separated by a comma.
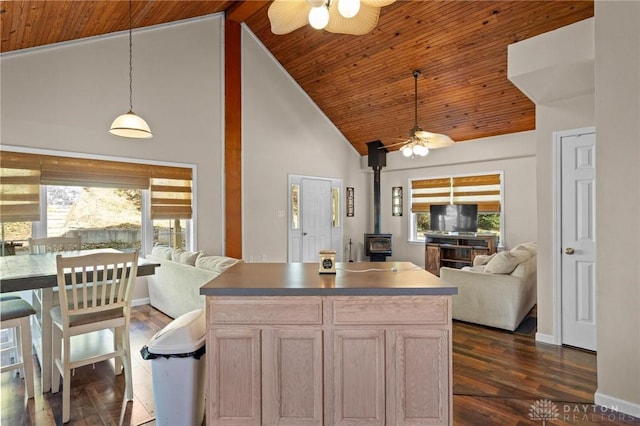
[(506, 261), (162, 252), (215, 263), (184, 256)]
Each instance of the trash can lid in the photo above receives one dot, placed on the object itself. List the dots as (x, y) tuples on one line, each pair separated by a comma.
[(184, 334)]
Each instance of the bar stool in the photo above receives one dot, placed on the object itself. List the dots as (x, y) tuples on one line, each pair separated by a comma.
[(15, 313), (13, 349)]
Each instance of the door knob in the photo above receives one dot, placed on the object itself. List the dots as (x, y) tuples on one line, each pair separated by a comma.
[(304, 233), (569, 250)]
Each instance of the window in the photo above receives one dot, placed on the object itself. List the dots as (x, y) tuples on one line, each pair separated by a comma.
[(484, 190), (109, 203), (103, 217)]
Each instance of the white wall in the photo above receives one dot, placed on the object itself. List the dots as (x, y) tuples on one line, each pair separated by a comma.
[(618, 203), (284, 132), (614, 110), (512, 154), (568, 114), (65, 97)]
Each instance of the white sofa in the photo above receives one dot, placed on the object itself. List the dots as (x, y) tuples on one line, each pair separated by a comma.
[(175, 287), (499, 290)]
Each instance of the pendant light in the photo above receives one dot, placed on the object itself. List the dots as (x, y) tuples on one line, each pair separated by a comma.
[(130, 125)]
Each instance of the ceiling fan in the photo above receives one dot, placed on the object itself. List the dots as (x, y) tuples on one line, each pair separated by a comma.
[(355, 17), (421, 141)]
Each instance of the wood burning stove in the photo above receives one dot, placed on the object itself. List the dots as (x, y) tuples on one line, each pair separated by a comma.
[(377, 246)]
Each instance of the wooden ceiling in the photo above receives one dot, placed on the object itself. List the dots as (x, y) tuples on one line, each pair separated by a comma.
[(364, 84)]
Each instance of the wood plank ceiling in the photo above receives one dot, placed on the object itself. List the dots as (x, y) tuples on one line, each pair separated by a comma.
[(364, 84)]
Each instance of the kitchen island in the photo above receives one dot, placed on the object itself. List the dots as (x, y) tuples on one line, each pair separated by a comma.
[(370, 344)]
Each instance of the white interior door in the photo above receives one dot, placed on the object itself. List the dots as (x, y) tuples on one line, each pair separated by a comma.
[(316, 217), (578, 286)]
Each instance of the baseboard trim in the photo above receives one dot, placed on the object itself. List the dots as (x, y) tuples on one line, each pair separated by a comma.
[(616, 404), (547, 338), (138, 302)]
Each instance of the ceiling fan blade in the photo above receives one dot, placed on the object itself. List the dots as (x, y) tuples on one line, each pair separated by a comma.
[(434, 140), (404, 142), (363, 23), (377, 3), (288, 15)]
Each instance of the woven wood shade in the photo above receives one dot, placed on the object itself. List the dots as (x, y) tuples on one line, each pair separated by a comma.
[(22, 174), (19, 188), (483, 190)]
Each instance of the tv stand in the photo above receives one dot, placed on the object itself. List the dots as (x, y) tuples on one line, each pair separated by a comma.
[(455, 251)]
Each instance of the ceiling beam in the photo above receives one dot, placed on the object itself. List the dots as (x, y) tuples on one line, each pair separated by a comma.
[(242, 10)]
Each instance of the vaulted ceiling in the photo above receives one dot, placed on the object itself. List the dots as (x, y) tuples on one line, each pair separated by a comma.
[(364, 84)]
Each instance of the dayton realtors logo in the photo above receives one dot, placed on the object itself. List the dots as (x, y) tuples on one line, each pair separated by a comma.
[(544, 410), (547, 411)]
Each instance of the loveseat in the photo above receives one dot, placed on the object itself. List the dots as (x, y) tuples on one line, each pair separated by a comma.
[(175, 287), (498, 290)]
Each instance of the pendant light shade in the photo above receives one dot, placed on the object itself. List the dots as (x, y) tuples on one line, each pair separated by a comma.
[(130, 125)]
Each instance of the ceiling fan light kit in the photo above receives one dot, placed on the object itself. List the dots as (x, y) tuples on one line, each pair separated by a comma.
[(355, 17), (319, 17), (130, 125)]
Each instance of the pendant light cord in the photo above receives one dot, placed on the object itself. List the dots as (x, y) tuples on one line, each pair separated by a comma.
[(130, 60)]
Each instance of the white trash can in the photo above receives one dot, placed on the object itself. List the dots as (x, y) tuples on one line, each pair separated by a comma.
[(177, 354)]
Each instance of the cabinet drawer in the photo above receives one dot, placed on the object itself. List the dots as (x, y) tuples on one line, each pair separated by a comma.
[(391, 310), (280, 310)]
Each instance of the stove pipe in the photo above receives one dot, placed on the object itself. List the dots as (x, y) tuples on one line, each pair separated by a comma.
[(377, 160)]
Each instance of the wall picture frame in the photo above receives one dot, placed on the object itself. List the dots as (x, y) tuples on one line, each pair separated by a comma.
[(396, 201), (350, 201)]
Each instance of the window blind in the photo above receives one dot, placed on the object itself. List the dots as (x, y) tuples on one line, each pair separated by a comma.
[(85, 172), (426, 192), (171, 193), (483, 190), (22, 175), (19, 188)]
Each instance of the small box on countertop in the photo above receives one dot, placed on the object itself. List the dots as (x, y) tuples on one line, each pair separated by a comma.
[(327, 262)]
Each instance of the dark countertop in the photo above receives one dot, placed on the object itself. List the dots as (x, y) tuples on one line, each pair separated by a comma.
[(350, 279)]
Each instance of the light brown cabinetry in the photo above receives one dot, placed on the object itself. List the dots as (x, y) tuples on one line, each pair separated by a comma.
[(329, 360), (455, 251)]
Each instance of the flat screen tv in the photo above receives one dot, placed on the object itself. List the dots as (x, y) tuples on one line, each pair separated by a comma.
[(454, 218)]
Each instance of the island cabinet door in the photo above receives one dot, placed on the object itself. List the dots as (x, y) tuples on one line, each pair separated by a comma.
[(417, 377), (292, 371), (358, 377), (234, 359)]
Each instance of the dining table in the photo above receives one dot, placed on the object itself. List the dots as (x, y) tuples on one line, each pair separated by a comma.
[(38, 272)]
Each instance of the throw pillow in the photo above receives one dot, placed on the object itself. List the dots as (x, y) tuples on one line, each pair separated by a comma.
[(162, 252), (503, 263), (531, 247), (187, 257), (482, 259), (215, 263)]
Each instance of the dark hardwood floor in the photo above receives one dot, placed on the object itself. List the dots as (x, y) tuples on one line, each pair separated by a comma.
[(498, 379)]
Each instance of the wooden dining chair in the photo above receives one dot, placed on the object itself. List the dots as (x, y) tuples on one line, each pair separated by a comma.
[(43, 300), (54, 244), (98, 299)]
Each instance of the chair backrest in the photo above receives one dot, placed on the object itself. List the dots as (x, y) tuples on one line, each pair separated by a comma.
[(96, 283), (54, 244)]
